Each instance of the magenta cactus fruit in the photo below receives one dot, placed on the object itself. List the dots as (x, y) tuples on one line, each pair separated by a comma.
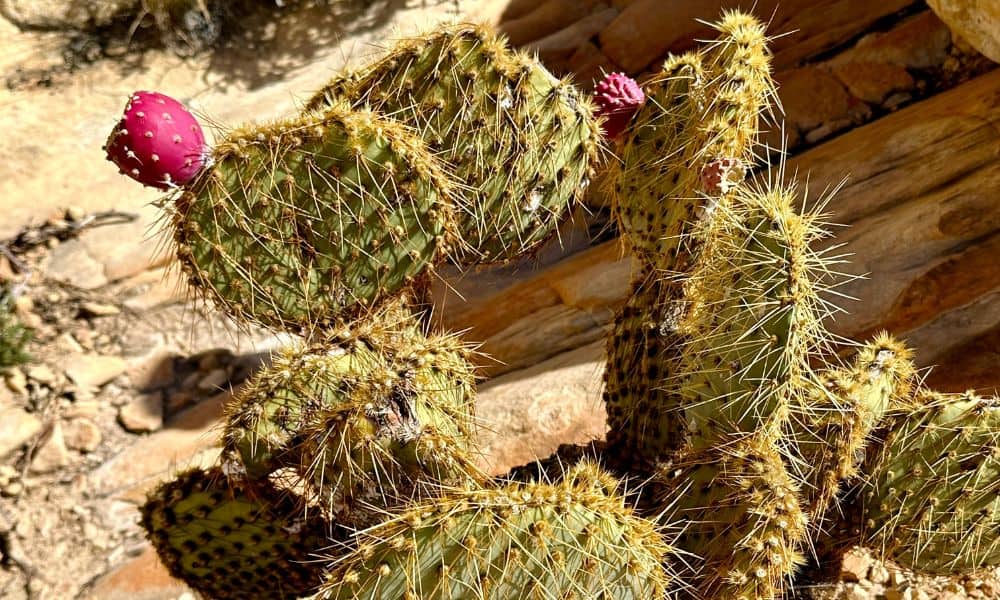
[(618, 98), (157, 142)]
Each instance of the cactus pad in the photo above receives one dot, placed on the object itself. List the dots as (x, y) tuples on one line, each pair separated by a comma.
[(373, 415), (932, 501), (520, 141), (313, 220), (234, 543), (572, 540)]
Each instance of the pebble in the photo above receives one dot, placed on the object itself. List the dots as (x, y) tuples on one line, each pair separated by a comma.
[(143, 413), (17, 382), (52, 455), (17, 427), (855, 566), (83, 435), (93, 370), (41, 373), (96, 309)]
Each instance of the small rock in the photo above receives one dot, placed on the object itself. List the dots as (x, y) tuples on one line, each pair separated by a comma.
[(83, 435), (143, 414), (96, 309), (857, 592), (879, 574), (93, 370), (75, 213), (68, 344), (12, 489), (17, 428), (152, 371), (214, 381), (17, 382), (52, 455), (975, 20), (855, 566), (87, 409), (24, 305), (41, 374)]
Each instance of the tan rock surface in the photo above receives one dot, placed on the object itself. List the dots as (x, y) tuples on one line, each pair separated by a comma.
[(978, 21)]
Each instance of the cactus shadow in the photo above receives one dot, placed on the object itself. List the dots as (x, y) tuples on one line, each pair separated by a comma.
[(267, 45)]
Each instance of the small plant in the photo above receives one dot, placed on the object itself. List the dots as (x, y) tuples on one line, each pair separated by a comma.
[(733, 422), (14, 335)]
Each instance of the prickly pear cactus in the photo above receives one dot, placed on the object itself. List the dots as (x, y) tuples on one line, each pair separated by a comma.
[(734, 426), (932, 497), (365, 423)]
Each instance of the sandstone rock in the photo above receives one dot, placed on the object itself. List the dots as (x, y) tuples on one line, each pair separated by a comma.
[(978, 21), (96, 309), (158, 288), (70, 263), (811, 96), (17, 428), (153, 457), (871, 81), (52, 454), (93, 370), (547, 17), (82, 434), (527, 414), (143, 414), (647, 29), (16, 381), (555, 49), (141, 578), (213, 381), (919, 42), (151, 371)]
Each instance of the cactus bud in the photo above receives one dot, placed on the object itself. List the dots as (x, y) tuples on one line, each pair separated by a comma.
[(157, 142), (618, 98)]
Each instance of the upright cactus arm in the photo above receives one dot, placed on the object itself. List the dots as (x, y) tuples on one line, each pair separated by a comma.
[(833, 434), (681, 157)]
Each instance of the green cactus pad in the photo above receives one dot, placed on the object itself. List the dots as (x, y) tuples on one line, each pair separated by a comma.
[(573, 540), (365, 419), (234, 543), (755, 320), (694, 137), (833, 434), (932, 499), (742, 518), (313, 220), (521, 142)]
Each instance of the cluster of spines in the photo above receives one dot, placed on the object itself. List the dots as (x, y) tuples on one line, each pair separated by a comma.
[(573, 540), (932, 497)]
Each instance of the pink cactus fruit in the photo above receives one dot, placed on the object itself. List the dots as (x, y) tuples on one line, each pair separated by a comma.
[(158, 142), (618, 98)]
